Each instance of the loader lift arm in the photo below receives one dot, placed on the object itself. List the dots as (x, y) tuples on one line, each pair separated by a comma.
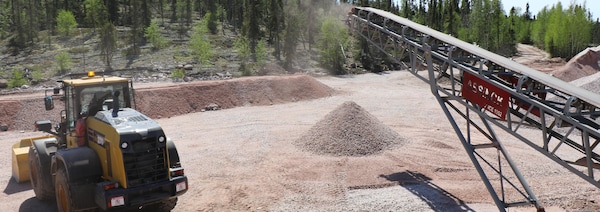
[(485, 89)]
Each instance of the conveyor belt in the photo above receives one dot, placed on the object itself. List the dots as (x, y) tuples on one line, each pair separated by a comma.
[(486, 90)]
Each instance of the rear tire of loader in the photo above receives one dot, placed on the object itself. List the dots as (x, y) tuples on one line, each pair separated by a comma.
[(41, 180), (64, 199)]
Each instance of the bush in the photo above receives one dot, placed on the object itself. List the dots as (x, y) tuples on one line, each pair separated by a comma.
[(63, 62), (178, 74), (37, 75), (17, 79), (152, 33)]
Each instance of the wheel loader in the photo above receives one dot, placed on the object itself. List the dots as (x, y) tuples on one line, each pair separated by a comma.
[(103, 155)]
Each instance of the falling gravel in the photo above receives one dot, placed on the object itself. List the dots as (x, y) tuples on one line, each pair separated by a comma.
[(349, 130)]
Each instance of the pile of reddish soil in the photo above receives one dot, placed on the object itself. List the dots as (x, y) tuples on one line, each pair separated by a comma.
[(159, 102), (349, 130), (583, 64), (8, 111), (195, 97)]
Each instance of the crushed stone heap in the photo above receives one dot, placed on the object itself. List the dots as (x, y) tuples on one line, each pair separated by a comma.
[(584, 64), (349, 130)]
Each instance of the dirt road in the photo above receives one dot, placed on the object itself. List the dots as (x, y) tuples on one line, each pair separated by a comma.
[(243, 159)]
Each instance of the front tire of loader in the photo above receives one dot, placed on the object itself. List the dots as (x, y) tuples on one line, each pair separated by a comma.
[(64, 199), (40, 178)]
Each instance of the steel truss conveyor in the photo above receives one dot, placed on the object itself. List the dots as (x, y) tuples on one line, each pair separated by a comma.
[(484, 89)]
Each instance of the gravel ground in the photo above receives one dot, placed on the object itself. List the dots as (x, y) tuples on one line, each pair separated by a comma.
[(244, 159)]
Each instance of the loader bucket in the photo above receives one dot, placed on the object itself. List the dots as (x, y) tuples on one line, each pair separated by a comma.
[(20, 154)]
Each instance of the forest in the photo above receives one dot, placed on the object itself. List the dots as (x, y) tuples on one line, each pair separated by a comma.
[(561, 30)]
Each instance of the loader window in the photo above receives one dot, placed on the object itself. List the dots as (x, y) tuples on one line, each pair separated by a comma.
[(98, 98)]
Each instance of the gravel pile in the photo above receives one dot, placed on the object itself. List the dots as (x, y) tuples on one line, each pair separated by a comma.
[(583, 64), (349, 130), (590, 83)]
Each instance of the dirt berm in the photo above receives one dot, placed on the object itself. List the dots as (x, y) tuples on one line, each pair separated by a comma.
[(178, 99)]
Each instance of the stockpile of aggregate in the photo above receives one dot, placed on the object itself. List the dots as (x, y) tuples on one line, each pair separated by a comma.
[(584, 64), (349, 130)]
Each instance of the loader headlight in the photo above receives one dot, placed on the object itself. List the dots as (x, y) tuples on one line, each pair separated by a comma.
[(161, 139), (124, 145)]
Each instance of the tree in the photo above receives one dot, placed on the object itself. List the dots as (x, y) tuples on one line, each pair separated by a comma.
[(243, 49), (96, 13), (136, 29), (212, 22), (199, 43), (17, 79), (152, 34), (63, 62), (251, 28), (408, 9), (334, 39), (292, 33), (108, 43), (65, 22), (112, 7), (4, 20), (452, 17), (24, 22), (275, 25)]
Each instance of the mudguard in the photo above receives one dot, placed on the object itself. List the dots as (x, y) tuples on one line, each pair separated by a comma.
[(173, 155), (46, 148), (80, 163), (83, 170)]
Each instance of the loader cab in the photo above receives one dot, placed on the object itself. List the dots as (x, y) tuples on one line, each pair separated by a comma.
[(84, 97)]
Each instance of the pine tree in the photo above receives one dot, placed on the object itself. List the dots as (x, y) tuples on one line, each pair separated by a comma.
[(275, 25), (251, 28), (108, 43)]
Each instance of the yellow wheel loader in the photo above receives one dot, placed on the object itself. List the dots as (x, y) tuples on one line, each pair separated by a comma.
[(103, 154)]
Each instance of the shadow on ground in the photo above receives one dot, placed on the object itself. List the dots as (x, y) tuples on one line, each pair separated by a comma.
[(13, 187), (32, 204), (421, 186), (35, 205)]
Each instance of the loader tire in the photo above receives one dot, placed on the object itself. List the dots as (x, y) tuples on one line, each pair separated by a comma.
[(64, 198), (39, 175)]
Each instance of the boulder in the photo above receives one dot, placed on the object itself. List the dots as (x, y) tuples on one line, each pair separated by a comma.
[(3, 83), (3, 127)]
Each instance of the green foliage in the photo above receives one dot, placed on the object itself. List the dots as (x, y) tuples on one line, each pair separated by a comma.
[(242, 46), (292, 33), (96, 13), (200, 44), (108, 42), (17, 79), (562, 32), (261, 52), (37, 74), (178, 74), (152, 33), (4, 22), (211, 22), (65, 22), (63, 62), (334, 39)]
